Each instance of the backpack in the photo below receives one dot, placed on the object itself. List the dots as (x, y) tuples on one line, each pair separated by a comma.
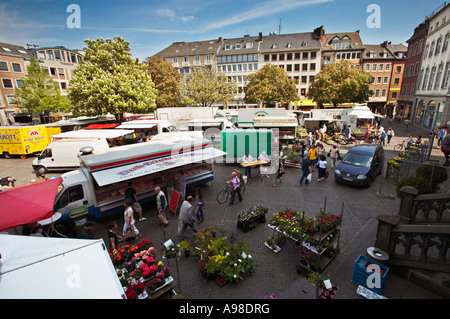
[(383, 136)]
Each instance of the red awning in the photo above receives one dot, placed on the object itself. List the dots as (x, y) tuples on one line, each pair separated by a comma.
[(27, 204), (101, 126)]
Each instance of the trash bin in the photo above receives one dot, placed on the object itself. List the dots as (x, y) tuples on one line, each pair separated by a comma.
[(78, 216)]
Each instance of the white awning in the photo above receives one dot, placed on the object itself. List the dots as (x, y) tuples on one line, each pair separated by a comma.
[(84, 134), (362, 112), (135, 126), (126, 172)]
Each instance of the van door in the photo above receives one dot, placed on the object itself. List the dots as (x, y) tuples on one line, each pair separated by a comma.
[(70, 198)]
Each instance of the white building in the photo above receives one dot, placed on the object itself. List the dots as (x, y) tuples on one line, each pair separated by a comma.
[(432, 95)]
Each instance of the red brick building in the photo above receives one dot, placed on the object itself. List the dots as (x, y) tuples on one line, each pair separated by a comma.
[(416, 45)]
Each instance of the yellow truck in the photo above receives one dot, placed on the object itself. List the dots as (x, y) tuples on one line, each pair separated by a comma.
[(25, 140)]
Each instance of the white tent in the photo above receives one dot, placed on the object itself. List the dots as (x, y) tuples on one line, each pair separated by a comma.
[(362, 111), (56, 268)]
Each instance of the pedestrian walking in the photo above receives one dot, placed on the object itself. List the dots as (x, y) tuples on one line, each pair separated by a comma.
[(309, 139), (200, 205), (334, 155), (306, 169), (390, 134), (186, 218), (236, 183), (322, 163), (383, 138), (113, 238), (441, 136), (313, 153), (129, 219), (161, 205), (279, 173), (130, 194), (87, 232)]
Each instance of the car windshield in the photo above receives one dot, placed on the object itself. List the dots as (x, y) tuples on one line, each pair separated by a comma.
[(357, 159)]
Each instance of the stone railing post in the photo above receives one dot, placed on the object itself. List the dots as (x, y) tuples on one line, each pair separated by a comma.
[(408, 193), (385, 224)]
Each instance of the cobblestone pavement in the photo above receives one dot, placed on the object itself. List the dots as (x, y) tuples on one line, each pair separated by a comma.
[(275, 272)]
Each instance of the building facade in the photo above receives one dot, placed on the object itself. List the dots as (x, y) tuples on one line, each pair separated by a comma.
[(59, 62), (413, 60), (432, 92), (14, 60)]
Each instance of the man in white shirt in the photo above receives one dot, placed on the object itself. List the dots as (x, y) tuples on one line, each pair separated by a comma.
[(247, 159), (236, 183), (186, 218), (263, 168)]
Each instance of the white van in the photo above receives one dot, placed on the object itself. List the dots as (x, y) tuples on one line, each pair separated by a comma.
[(62, 155)]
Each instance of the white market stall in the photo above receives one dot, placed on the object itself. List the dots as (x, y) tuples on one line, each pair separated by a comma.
[(56, 268)]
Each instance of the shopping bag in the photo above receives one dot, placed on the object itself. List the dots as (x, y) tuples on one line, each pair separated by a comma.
[(326, 175), (130, 234), (308, 178)]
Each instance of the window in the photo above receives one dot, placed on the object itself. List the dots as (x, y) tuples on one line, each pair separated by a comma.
[(72, 194), (407, 71), (377, 93), (4, 66), (394, 95), (281, 57), (425, 79), (399, 69), (311, 78), (19, 83), (312, 66), (388, 67), (438, 76), (16, 67), (237, 46), (305, 55), (416, 70), (8, 84), (379, 80), (227, 46), (446, 76), (266, 57), (313, 55), (197, 60), (248, 45), (11, 99), (304, 67), (383, 93), (368, 67), (381, 67), (73, 58), (433, 44), (61, 71), (386, 80), (425, 54), (57, 55), (445, 45), (274, 57), (304, 79), (297, 55), (50, 54), (288, 67), (413, 87), (208, 59), (289, 56), (396, 81), (52, 71), (374, 67), (420, 47), (432, 76), (296, 67), (438, 46)]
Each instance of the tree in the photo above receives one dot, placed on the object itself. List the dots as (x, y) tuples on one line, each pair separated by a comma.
[(340, 82), (39, 93), (204, 86), (108, 80), (270, 84), (166, 79)]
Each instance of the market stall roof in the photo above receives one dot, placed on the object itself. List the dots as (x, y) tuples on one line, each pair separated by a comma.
[(56, 268), (140, 124), (99, 133), (131, 161), (362, 111), (27, 204), (101, 126)]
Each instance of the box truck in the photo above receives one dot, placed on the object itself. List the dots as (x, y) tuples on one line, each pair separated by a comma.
[(179, 116), (16, 140), (101, 180)]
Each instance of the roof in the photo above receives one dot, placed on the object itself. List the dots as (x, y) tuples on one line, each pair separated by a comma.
[(289, 42), (364, 149), (239, 45), (389, 49), (177, 49), (355, 40), (14, 50)]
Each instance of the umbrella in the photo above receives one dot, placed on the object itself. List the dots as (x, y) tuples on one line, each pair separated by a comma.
[(28, 204)]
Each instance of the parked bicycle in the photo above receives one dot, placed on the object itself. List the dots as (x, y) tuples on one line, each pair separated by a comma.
[(225, 193)]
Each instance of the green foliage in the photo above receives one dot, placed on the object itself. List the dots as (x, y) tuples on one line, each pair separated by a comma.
[(270, 84), (166, 79), (204, 86), (39, 93), (437, 174), (417, 182), (340, 82), (108, 80)]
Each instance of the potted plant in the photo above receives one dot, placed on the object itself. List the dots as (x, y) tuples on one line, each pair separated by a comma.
[(184, 246), (270, 243)]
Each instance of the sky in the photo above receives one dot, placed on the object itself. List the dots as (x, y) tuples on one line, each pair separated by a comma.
[(150, 26)]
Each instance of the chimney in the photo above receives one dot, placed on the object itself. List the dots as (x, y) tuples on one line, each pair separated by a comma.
[(220, 40), (384, 44), (260, 37), (319, 32)]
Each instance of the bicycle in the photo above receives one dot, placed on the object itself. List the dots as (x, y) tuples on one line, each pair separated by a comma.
[(226, 192), (401, 146)]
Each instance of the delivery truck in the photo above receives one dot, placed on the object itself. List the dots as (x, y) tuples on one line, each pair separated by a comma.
[(17, 140), (100, 182), (145, 129), (247, 116), (179, 116)]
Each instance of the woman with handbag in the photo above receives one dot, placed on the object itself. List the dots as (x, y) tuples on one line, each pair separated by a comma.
[(322, 168), (130, 231)]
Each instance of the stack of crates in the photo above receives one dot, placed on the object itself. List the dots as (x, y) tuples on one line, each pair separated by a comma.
[(361, 274)]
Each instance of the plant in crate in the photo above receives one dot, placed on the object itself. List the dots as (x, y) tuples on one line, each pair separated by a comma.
[(184, 246)]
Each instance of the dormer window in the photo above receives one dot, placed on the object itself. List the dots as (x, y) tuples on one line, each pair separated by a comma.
[(274, 46), (237, 46), (227, 46), (248, 45)]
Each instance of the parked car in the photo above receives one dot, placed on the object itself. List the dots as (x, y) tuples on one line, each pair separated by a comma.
[(360, 165)]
